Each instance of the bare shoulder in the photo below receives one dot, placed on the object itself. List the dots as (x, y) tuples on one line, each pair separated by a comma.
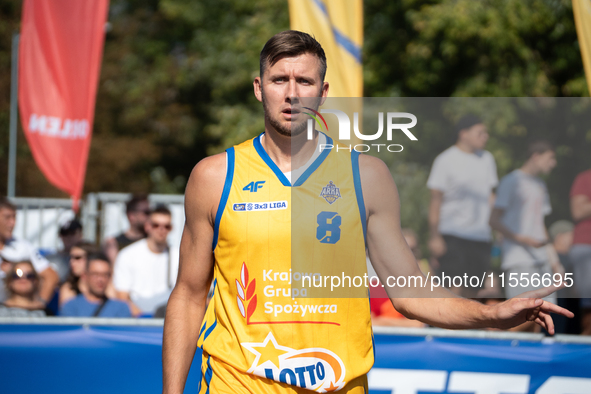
[(372, 166), (378, 186), (206, 183)]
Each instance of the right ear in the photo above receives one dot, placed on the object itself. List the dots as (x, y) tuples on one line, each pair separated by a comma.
[(258, 92)]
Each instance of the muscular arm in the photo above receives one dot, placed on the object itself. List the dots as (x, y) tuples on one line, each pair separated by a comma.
[(391, 256), (186, 306), (580, 207)]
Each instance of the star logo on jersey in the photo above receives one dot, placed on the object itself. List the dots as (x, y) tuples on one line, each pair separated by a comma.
[(330, 193), (316, 369)]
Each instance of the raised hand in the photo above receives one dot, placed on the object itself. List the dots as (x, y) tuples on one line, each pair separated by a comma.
[(529, 306)]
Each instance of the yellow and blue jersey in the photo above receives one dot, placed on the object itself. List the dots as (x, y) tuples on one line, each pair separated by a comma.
[(264, 322)]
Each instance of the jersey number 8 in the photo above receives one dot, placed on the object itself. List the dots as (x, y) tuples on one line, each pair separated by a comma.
[(329, 227)]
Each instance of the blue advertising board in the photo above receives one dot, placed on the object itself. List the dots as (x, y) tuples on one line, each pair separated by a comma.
[(76, 359)]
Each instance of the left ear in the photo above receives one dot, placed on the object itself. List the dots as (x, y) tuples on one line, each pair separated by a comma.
[(324, 93)]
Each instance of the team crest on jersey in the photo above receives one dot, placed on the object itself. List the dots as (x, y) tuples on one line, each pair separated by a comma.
[(316, 369), (330, 193)]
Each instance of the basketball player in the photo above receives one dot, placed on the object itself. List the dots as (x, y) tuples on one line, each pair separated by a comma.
[(256, 337)]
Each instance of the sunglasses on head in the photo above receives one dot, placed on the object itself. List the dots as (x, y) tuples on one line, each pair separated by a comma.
[(158, 225)]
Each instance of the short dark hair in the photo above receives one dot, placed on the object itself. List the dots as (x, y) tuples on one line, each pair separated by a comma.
[(70, 227), (291, 43), (136, 199), (539, 147), (466, 122), (100, 256), (162, 209), (5, 203)]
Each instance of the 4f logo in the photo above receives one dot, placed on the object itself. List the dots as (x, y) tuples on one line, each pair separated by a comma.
[(254, 186)]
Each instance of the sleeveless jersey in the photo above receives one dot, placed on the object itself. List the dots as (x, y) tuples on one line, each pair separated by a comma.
[(272, 242)]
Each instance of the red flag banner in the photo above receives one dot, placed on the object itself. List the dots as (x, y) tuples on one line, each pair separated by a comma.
[(60, 53)]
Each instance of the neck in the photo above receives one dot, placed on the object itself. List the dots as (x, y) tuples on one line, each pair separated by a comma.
[(91, 297), (21, 301), (465, 147), (156, 247), (530, 169), (134, 233), (288, 153)]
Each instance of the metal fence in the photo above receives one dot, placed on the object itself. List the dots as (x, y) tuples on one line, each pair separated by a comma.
[(102, 215)]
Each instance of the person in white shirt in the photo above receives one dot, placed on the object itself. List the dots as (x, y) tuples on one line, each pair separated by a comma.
[(146, 271), (15, 250), (461, 181), (522, 203)]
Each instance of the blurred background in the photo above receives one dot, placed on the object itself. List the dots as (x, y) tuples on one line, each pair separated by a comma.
[(176, 85)]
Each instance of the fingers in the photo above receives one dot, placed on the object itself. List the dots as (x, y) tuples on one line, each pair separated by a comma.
[(549, 322), (528, 303), (541, 322), (550, 307)]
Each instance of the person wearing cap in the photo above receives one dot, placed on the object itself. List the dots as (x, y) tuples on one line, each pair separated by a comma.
[(70, 233), (461, 181), (14, 250)]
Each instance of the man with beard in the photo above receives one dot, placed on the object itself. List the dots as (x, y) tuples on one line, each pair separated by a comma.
[(238, 235)]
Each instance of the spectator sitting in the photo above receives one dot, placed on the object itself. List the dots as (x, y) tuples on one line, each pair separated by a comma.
[(145, 271), (95, 303), (22, 285), (137, 210), (75, 283), (70, 233), (16, 250)]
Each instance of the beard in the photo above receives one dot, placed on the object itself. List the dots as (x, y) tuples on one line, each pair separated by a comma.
[(296, 128)]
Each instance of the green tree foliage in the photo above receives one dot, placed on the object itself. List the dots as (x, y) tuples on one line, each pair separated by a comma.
[(489, 48)]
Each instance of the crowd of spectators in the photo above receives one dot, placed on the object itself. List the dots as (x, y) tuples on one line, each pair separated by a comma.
[(470, 212), (133, 273), (129, 275)]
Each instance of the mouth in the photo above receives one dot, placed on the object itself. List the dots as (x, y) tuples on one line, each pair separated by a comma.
[(290, 113)]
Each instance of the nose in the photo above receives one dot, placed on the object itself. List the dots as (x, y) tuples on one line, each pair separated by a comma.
[(292, 90)]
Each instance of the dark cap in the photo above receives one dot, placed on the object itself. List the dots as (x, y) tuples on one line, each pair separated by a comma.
[(70, 227)]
